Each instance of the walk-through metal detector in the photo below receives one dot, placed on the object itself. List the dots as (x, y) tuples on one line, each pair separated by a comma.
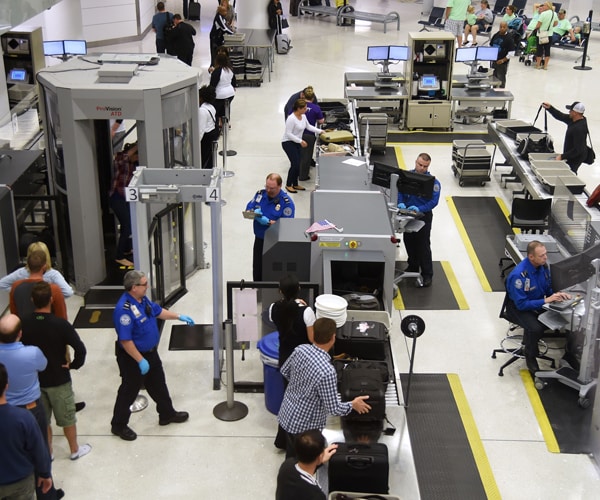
[(175, 187), (80, 96)]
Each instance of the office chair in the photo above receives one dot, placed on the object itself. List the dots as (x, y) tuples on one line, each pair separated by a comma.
[(527, 215), (435, 19), (513, 343)]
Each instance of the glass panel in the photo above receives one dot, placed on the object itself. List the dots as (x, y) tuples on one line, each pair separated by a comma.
[(177, 135)]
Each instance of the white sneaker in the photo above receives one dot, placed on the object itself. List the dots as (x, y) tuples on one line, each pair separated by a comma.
[(83, 450)]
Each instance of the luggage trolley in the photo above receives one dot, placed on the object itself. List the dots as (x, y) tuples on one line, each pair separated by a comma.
[(472, 161)]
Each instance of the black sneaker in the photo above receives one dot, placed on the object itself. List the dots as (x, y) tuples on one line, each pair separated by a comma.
[(177, 418), (126, 433), (79, 406)]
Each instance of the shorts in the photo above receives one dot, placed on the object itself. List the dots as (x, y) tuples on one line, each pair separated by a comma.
[(60, 400), (453, 26)]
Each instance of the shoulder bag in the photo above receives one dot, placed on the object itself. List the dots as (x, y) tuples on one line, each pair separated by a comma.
[(536, 142), (590, 155), (544, 36)]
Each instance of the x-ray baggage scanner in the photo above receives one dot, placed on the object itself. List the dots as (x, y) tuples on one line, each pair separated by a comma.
[(79, 98), (358, 256)]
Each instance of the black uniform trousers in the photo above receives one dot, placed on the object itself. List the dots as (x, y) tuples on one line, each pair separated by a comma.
[(257, 255), (418, 248), (533, 329), (131, 383)]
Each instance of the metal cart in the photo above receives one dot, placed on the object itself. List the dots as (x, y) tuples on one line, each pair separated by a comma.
[(472, 161)]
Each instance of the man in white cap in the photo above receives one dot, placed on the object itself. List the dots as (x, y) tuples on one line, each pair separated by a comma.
[(574, 147)]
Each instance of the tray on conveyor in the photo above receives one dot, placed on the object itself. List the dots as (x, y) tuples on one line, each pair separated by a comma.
[(513, 132), (542, 157), (556, 165), (503, 125), (549, 179)]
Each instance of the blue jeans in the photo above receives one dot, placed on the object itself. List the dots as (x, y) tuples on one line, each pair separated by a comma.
[(121, 209), (293, 151)]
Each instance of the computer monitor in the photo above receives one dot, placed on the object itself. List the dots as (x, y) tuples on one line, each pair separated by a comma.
[(466, 54), (429, 82), (416, 184), (487, 53), (398, 53), (382, 174), (75, 47), (575, 269), (17, 75), (377, 53), (54, 48)]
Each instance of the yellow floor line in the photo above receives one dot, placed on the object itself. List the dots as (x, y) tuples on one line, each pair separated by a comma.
[(540, 413), (453, 282), (399, 303), (483, 465), (467, 242), (399, 144), (400, 157)]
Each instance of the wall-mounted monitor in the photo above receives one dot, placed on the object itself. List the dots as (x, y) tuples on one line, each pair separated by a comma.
[(75, 47), (17, 75), (487, 53), (54, 48), (466, 54), (429, 82), (416, 184), (398, 53), (377, 53)]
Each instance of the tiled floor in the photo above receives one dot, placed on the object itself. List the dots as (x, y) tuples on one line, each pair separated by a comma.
[(206, 458)]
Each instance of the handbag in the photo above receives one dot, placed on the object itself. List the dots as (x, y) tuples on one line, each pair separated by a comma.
[(590, 155), (284, 23), (536, 142), (544, 36)]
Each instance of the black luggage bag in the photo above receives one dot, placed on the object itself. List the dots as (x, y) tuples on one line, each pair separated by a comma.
[(194, 11), (361, 339), (364, 382), (361, 468)]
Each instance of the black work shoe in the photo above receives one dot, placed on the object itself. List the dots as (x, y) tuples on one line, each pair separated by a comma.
[(59, 493), (79, 406), (532, 365), (426, 282), (126, 433), (176, 418)]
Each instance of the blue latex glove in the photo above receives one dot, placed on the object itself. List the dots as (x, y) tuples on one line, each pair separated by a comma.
[(186, 319), (262, 220), (144, 366), (413, 208), (258, 211), (401, 205)]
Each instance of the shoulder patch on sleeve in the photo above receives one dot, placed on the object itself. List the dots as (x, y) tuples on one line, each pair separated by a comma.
[(125, 319), (437, 186), (518, 284), (287, 211)]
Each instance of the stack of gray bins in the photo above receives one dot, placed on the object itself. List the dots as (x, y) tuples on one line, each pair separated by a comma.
[(238, 64), (253, 71), (471, 161), (378, 127)]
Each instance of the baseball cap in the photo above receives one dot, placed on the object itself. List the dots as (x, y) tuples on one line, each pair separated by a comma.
[(577, 106)]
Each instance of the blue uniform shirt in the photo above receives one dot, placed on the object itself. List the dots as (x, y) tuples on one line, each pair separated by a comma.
[(136, 321), (23, 363), (272, 208), (423, 204), (527, 285)]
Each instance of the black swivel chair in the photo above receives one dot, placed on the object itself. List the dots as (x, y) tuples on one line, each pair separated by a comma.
[(520, 5), (527, 215), (512, 344), (435, 19)]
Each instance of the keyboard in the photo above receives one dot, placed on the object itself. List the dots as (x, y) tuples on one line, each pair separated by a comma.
[(566, 304), (553, 320), (407, 212)]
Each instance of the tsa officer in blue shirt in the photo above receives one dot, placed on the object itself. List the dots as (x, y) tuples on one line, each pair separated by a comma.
[(270, 204), (137, 355), (418, 244), (529, 288)]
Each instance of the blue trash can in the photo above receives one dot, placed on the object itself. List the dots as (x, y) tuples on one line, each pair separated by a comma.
[(269, 355)]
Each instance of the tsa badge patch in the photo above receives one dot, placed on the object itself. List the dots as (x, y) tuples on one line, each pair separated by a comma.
[(518, 284), (287, 211), (125, 320)]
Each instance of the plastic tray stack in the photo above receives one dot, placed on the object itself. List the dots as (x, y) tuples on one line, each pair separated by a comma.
[(471, 161), (549, 171)]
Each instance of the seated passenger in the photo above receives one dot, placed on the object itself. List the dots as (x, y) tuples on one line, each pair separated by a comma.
[(562, 28), (529, 288), (484, 16), (510, 15), (566, 40)]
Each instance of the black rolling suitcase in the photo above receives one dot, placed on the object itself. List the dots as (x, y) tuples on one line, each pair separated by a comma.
[(362, 468), (364, 382), (361, 339), (194, 11)]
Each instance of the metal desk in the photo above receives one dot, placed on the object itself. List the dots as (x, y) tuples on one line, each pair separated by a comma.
[(460, 81), (488, 98), (257, 40), (334, 172)]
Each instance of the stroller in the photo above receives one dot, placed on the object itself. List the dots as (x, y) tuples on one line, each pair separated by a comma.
[(528, 52)]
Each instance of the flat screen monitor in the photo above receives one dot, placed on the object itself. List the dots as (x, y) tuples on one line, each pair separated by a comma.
[(429, 82), (575, 269), (487, 53), (398, 53), (416, 184), (466, 54), (17, 75), (54, 48), (377, 53), (75, 47), (382, 174)]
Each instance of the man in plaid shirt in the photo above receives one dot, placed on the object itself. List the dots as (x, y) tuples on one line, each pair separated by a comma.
[(312, 392)]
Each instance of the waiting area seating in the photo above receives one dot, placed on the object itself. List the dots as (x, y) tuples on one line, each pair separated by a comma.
[(348, 12), (435, 19), (321, 10)]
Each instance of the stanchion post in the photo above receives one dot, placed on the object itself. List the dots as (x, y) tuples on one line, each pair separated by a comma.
[(586, 31), (225, 153)]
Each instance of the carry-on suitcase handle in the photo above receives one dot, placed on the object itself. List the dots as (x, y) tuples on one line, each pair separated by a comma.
[(359, 462)]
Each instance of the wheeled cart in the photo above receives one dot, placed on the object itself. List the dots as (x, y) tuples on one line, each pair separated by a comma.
[(472, 161)]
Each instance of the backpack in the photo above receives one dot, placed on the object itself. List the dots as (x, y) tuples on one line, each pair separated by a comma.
[(169, 26)]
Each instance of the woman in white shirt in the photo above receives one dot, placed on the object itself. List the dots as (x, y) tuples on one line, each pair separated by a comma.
[(207, 119), (223, 80), (292, 142)]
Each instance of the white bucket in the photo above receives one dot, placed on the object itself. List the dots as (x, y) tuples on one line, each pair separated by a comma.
[(333, 307)]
